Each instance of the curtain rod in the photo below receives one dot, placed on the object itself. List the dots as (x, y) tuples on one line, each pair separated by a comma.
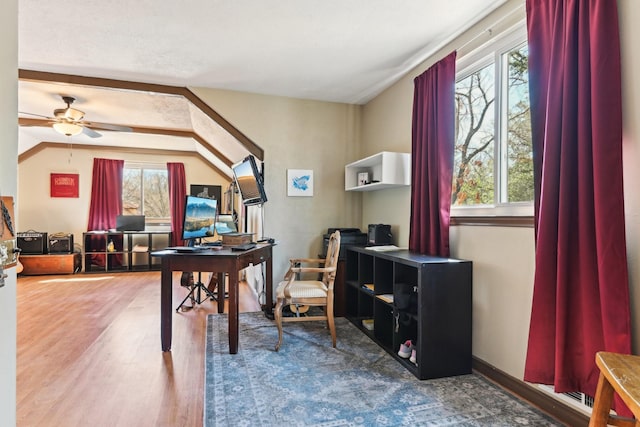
[(487, 30)]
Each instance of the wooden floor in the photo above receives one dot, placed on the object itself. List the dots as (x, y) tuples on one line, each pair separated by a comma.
[(89, 352)]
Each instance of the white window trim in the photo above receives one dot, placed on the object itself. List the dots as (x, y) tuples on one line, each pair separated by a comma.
[(467, 64), (162, 222)]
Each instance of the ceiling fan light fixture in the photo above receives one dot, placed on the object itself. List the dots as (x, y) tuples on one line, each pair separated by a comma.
[(68, 129), (68, 114)]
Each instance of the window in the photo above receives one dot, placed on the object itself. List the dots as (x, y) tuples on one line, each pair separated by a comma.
[(145, 191), (493, 158)]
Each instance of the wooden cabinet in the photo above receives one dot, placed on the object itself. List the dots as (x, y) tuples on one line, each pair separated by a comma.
[(438, 318), (123, 250), (383, 170)]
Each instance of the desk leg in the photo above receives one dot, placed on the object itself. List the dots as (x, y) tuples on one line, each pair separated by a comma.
[(268, 303), (166, 312), (233, 311), (221, 291)]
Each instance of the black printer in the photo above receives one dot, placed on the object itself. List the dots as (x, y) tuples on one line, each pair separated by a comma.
[(348, 237)]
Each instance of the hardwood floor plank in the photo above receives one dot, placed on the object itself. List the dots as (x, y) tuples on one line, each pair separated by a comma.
[(89, 352)]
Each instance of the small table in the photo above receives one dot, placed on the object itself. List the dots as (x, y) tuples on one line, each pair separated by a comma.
[(218, 261)]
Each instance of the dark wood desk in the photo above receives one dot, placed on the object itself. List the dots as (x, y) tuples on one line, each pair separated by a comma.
[(218, 261)]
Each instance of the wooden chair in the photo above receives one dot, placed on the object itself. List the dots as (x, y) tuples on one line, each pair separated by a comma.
[(619, 373), (295, 290)]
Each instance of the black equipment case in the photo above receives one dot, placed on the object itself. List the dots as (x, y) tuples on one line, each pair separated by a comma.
[(61, 243), (32, 242)]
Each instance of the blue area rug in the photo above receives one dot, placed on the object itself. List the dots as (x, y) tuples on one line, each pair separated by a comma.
[(309, 383)]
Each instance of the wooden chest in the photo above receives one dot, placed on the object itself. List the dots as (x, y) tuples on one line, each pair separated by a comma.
[(51, 264), (232, 239)]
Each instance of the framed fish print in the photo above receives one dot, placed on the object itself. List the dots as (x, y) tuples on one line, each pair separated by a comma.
[(299, 182)]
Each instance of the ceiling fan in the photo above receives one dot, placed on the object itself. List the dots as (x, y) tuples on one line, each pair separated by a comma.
[(68, 121)]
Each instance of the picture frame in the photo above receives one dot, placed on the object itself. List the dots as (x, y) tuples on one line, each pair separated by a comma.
[(206, 191), (299, 182), (65, 185)]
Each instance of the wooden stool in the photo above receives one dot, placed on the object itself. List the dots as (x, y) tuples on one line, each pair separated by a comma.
[(619, 373)]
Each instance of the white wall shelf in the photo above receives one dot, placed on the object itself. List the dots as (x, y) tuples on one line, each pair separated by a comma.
[(385, 169)]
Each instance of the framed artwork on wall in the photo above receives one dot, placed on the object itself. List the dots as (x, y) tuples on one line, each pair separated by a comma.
[(207, 191), (299, 182), (65, 185)]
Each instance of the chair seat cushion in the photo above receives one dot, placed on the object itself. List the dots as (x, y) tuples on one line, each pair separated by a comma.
[(303, 289)]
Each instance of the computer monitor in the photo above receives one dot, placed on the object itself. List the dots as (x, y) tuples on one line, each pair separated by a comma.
[(199, 218), (226, 224), (130, 222), (249, 182)]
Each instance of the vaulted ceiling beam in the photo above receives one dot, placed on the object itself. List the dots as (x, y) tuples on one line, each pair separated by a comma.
[(242, 139)]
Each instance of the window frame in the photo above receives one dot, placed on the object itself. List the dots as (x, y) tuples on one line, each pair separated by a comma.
[(494, 52), (153, 166)]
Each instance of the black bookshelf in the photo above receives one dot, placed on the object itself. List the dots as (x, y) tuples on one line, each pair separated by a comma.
[(438, 320)]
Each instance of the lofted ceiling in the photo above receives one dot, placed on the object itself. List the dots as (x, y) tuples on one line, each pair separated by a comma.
[(329, 50)]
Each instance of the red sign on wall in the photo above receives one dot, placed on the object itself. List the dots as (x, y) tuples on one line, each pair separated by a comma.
[(64, 184)]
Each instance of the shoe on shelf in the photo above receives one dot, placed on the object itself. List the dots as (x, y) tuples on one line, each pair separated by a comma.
[(413, 358), (405, 349)]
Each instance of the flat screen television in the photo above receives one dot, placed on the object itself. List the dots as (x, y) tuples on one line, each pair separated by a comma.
[(199, 218), (249, 181)]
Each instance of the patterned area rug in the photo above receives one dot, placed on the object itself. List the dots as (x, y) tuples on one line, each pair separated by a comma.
[(309, 383)]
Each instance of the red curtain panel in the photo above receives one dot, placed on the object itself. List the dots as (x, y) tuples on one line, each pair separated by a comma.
[(177, 195), (581, 291), (432, 145)]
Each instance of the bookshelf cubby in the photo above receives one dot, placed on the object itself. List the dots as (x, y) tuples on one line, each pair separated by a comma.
[(130, 252)]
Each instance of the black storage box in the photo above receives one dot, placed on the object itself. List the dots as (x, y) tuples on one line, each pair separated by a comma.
[(380, 234), (61, 243), (348, 237), (32, 242)]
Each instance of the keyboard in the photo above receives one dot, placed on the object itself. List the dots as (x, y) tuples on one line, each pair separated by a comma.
[(216, 243), (243, 247), (186, 249)]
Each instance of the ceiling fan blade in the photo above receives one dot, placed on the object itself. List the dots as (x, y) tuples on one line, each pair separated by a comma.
[(90, 132), (24, 121), (107, 126), (36, 115)]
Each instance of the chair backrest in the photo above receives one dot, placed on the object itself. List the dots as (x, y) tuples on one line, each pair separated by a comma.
[(333, 250)]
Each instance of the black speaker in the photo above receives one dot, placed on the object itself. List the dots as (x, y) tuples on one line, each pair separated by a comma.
[(61, 243), (32, 242)]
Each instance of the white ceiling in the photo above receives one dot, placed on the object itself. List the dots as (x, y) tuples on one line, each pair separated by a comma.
[(330, 50)]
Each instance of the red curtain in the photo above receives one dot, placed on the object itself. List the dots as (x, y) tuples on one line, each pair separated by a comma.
[(177, 194), (581, 293), (432, 144), (106, 204)]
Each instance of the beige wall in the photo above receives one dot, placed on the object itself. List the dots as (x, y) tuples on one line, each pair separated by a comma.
[(503, 257), (8, 164), (38, 211), (297, 134)]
